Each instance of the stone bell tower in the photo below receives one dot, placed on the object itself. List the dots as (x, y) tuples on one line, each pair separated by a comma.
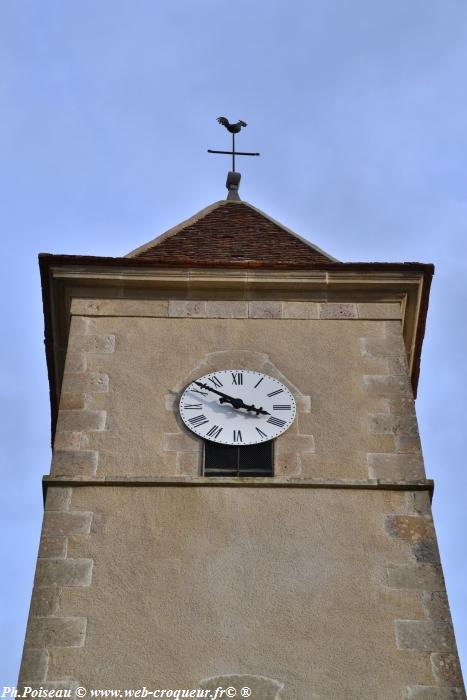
[(316, 578)]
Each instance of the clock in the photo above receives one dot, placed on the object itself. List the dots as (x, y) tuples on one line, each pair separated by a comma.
[(237, 407)]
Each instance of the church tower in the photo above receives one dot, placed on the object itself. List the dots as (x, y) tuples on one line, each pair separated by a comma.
[(237, 497)]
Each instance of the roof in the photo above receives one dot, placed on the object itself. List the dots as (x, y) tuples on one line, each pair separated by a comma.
[(231, 231)]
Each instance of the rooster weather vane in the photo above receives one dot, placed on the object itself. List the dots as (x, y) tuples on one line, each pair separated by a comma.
[(233, 177)]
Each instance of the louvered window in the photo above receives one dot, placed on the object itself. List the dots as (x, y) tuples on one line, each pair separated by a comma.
[(249, 460)]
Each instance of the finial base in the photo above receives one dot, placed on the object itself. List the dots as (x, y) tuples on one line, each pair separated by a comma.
[(232, 184)]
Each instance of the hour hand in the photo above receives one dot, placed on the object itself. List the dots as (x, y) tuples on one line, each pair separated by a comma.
[(235, 402), (225, 398)]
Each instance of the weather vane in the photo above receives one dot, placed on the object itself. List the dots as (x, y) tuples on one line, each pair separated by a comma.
[(233, 178)]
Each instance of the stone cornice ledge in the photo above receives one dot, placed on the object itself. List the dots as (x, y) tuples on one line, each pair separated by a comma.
[(275, 482)]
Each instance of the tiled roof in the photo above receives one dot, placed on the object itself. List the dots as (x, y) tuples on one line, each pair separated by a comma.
[(230, 231)]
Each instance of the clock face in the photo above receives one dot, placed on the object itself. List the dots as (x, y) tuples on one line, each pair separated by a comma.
[(237, 407)]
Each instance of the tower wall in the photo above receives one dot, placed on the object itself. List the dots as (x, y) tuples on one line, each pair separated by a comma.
[(323, 581)]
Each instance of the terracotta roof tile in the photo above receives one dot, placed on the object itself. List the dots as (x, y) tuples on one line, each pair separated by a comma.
[(229, 232)]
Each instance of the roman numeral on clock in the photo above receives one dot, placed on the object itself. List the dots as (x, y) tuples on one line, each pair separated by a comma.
[(196, 421), (215, 381), (276, 421), (237, 436), (237, 378), (197, 391), (260, 432), (274, 393), (192, 406), (282, 407), (214, 432)]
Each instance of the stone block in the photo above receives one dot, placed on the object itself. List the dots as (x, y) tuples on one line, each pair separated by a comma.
[(120, 307), (45, 602), (446, 669), (406, 444), (410, 527), (423, 692), (81, 420), (337, 311), (71, 402), (34, 665), (74, 462), (387, 385), (265, 309), (401, 407), (102, 344), (52, 548), (389, 424), (183, 308), (424, 635), (415, 577), (75, 362), (436, 605), (188, 464), (426, 551), (398, 365), (387, 466), (68, 439), (419, 502), (85, 382), (379, 311), (300, 309), (56, 632), (227, 309), (70, 522), (287, 464), (80, 326), (289, 443), (303, 403), (58, 498), (180, 442), (392, 328), (64, 572), (392, 346)]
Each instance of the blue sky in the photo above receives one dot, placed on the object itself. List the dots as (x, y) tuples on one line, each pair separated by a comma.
[(107, 109)]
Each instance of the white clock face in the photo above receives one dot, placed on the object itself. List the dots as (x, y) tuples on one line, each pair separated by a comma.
[(237, 407)]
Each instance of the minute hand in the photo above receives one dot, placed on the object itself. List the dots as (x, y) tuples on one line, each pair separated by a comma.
[(235, 402)]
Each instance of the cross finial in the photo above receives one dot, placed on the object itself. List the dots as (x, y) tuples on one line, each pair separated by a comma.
[(233, 178)]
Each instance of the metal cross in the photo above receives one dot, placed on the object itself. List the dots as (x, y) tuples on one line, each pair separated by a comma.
[(234, 129)]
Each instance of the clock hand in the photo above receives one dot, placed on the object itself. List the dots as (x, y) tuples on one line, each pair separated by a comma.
[(235, 402)]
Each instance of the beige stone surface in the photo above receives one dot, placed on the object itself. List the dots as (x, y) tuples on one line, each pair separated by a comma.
[(135, 432), (191, 583)]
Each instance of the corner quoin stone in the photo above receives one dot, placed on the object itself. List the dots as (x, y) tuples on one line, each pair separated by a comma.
[(446, 669), (74, 462), (81, 420), (67, 523), (415, 577), (424, 635), (34, 665), (64, 572), (56, 632)]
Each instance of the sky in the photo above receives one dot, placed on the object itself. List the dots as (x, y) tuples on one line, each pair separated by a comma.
[(107, 110)]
